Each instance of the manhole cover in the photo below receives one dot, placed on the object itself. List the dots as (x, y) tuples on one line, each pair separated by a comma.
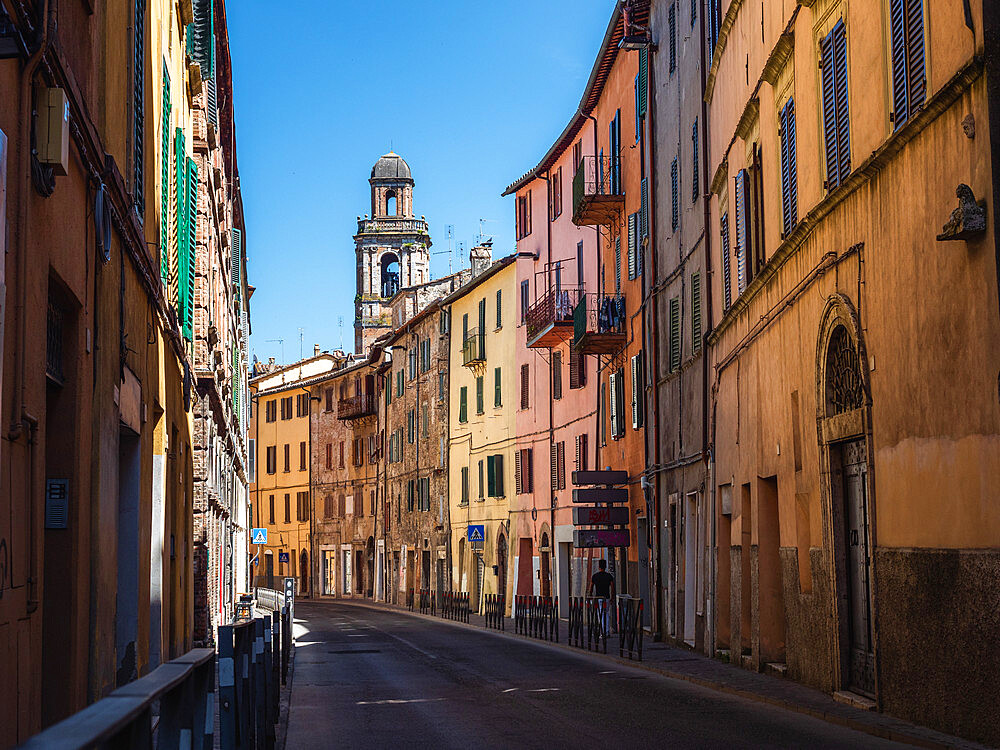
[(357, 651)]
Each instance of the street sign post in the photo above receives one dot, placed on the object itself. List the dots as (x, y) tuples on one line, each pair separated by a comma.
[(258, 536), (600, 477), (600, 538), (600, 516), (476, 534), (597, 495)]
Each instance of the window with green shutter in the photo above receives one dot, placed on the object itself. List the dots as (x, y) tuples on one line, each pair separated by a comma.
[(165, 249), (463, 415), (192, 247), (675, 334), (479, 395), (633, 220), (695, 313), (181, 216), (138, 104), (497, 392)]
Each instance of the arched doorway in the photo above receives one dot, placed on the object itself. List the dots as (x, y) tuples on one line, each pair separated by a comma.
[(370, 564), (304, 573), (544, 565), (844, 406), (502, 564), (389, 267)]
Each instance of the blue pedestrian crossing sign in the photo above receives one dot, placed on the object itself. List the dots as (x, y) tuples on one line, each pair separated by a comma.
[(258, 536), (477, 533)]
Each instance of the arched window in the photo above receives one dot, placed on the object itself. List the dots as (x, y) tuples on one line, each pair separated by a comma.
[(390, 275), (304, 571), (844, 391), (390, 203)]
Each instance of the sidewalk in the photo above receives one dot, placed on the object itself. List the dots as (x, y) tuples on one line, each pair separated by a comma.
[(696, 668)]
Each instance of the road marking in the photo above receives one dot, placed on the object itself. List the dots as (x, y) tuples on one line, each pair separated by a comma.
[(357, 635), (396, 701), (408, 643), (543, 690), (508, 690), (610, 671)]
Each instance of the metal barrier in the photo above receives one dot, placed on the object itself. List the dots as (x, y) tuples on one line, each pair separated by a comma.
[(183, 688), (427, 602), (455, 606), (409, 599), (589, 622), (495, 611), (269, 599), (630, 626), (577, 618), (537, 616), (286, 641)]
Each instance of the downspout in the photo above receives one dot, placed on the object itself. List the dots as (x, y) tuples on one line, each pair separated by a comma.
[(653, 343), (597, 281), (548, 280), (707, 445), (991, 44)]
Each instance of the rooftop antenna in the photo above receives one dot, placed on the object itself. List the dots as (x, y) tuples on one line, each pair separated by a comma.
[(451, 234), (281, 342), (301, 339), (340, 324), (461, 254), (483, 235)]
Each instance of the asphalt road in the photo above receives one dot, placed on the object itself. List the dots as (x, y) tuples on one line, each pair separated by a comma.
[(371, 678)]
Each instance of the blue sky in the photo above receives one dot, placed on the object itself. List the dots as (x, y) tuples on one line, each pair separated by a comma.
[(470, 94)]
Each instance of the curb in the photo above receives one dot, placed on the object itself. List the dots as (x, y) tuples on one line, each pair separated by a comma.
[(882, 732)]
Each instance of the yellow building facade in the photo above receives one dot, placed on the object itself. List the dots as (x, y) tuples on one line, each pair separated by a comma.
[(482, 431)]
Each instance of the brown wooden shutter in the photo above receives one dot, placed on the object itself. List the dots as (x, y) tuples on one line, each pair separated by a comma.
[(524, 386), (561, 456), (554, 465), (583, 452), (557, 375), (517, 473), (528, 473)]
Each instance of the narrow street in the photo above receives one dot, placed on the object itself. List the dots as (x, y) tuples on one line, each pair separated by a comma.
[(370, 678)]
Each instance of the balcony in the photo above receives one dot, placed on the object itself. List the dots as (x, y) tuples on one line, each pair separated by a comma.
[(473, 348), (355, 407), (598, 194), (391, 225), (600, 324), (549, 321)]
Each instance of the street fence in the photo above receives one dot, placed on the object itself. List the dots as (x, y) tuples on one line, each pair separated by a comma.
[(269, 599), (537, 616), (588, 623), (495, 611), (630, 627), (427, 602), (455, 606), (409, 599)]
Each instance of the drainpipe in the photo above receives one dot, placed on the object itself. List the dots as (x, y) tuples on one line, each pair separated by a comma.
[(653, 341), (548, 275), (991, 40), (707, 445)]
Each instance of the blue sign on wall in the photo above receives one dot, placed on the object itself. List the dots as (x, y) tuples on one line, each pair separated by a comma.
[(477, 533), (258, 536), (283, 557)]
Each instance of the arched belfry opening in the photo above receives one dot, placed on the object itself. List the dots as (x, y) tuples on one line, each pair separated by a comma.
[(391, 207), (389, 275), (844, 429)]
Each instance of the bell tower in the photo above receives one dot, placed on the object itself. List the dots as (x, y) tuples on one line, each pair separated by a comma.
[(392, 249)]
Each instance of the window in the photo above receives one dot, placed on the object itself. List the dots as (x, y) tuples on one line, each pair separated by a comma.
[(581, 452), (286, 408), (579, 264), (463, 415), (616, 385), (789, 174), (726, 251), (909, 81), (288, 466), (836, 119), (465, 485), (714, 22), (399, 383), (424, 420), (694, 161), (481, 495), (341, 506), (602, 408), (742, 235), (499, 309), (497, 391), (441, 386), (270, 504), (388, 388), (524, 483), (443, 322), (618, 265), (557, 375), (675, 334), (341, 464), (494, 475), (674, 195), (524, 386), (524, 300), (615, 147), (577, 155), (302, 456), (479, 395), (694, 12), (270, 411), (412, 359), (138, 105), (577, 369), (672, 33), (555, 194), (329, 399), (523, 215), (638, 390), (557, 466), (288, 508), (302, 506), (695, 313), (411, 426), (302, 405), (410, 494), (482, 316), (272, 459), (329, 455)]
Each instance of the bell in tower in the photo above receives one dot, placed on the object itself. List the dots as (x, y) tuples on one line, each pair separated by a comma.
[(392, 248)]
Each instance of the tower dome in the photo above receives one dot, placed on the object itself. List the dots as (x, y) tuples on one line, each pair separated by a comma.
[(391, 166)]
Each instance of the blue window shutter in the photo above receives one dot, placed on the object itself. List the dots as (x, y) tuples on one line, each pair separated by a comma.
[(674, 214), (843, 108), (694, 12), (726, 250), (793, 173), (741, 231), (915, 67), (618, 265), (898, 47), (829, 113)]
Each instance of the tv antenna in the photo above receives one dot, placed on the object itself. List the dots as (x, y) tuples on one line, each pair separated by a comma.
[(301, 339), (451, 234), (340, 324), (483, 235), (281, 343)]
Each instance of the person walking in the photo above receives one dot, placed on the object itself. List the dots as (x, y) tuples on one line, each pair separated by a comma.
[(602, 587)]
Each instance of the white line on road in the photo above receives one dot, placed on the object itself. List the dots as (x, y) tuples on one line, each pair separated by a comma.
[(508, 690), (609, 671), (407, 643), (543, 690), (395, 701)]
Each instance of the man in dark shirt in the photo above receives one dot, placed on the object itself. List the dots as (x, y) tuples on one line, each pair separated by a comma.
[(602, 586)]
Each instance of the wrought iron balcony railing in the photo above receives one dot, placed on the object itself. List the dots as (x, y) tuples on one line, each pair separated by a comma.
[(549, 321), (598, 191), (600, 324), (474, 348), (355, 407)]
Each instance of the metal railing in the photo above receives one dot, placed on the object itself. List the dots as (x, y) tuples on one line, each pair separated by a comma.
[(537, 616), (455, 606), (589, 621), (392, 225), (354, 407), (473, 347), (427, 602), (554, 307), (596, 176), (495, 611), (409, 599), (270, 599), (599, 313), (630, 627)]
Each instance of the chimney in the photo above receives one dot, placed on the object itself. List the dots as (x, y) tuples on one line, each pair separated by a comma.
[(481, 257), (315, 350)]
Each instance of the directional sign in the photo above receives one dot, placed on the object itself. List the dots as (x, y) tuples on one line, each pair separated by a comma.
[(258, 536), (600, 538), (600, 496), (600, 477), (600, 516), (477, 533)]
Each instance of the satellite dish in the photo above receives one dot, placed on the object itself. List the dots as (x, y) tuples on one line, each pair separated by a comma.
[(102, 222)]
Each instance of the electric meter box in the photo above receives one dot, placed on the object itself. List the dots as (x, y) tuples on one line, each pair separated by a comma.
[(52, 129)]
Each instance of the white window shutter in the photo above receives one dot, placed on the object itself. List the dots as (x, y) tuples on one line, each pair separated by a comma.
[(635, 391), (614, 403)]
